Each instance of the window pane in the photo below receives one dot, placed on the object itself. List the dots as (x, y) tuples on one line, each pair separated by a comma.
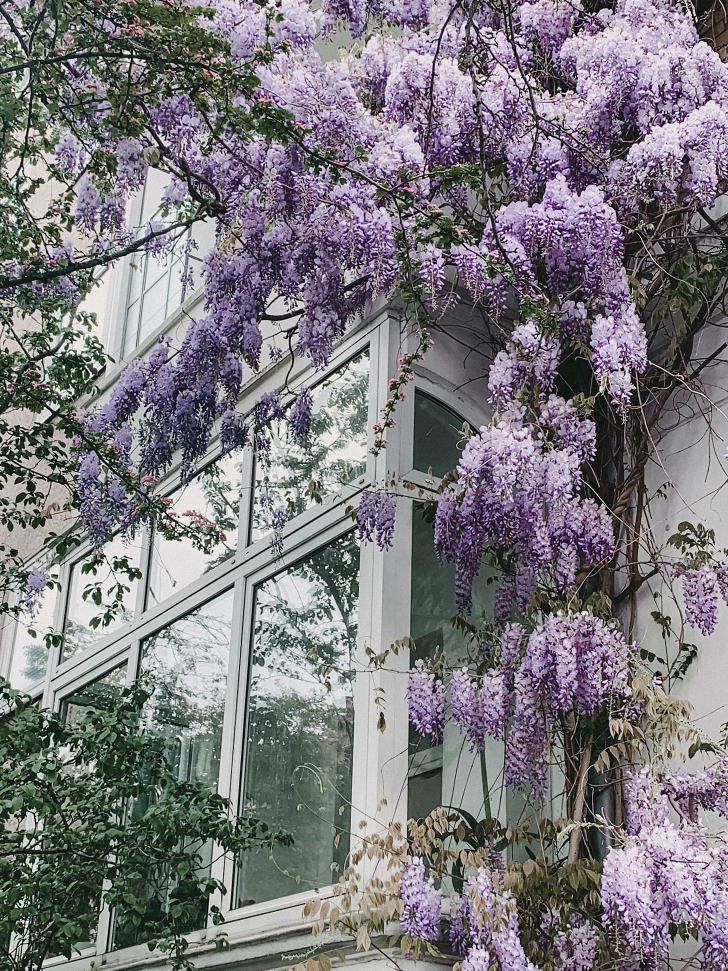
[(188, 663), (92, 695), (215, 493), (174, 293), (154, 305), (30, 654), (447, 773), (438, 430), (86, 620), (335, 453), (73, 709), (131, 329), (136, 277), (301, 720)]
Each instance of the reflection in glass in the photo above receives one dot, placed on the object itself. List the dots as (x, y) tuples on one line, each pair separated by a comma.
[(335, 452), (73, 709), (215, 494), (298, 754), (155, 290), (93, 695), (438, 432), (447, 773), (101, 595), (30, 651), (187, 664), (155, 284)]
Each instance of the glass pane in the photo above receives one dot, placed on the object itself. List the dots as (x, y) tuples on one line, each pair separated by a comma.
[(215, 493), (154, 307), (73, 709), (301, 721), (438, 430), (445, 774), (174, 294), (104, 689), (131, 328), (30, 654), (136, 277), (335, 453), (188, 663), (86, 620)]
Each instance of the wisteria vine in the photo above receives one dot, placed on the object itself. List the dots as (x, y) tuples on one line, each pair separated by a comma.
[(532, 160)]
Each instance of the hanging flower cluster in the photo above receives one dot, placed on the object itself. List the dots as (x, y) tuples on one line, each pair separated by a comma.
[(701, 589), (421, 902), (35, 588), (641, 116), (488, 920), (572, 663), (426, 700), (518, 484), (599, 121), (667, 874)]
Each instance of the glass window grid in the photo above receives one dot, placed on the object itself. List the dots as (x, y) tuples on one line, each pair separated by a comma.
[(144, 273), (384, 599)]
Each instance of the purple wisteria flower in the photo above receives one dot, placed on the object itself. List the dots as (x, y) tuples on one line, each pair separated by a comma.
[(376, 518), (460, 938), (480, 711), (700, 588), (88, 204), (426, 701), (35, 588), (300, 416), (705, 789), (421, 902)]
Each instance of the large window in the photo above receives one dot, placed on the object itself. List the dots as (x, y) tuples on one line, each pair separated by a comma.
[(214, 495), (187, 665), (155, 282), (299, 740), (296, 476), (444, 774), (33, 640), (102, 595)]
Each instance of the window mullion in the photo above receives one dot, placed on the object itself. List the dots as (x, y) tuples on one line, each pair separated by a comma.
[(236, 718)]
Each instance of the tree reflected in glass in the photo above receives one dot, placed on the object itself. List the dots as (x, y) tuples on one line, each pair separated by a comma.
[(214, 494), (301, 720), (186, 664), (33, 638), (298, 476), (102, 594)]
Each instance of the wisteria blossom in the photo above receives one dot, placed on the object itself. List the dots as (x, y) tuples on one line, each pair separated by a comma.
[(376, 517), (35, 588), (507, 160), (701, 589), (421, 902), (426, 700)]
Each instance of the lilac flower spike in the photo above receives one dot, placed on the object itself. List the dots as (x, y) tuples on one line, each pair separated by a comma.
[(421, 902), (35, 588), (426, 700)]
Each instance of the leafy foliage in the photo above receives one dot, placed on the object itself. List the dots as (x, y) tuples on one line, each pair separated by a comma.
[(92, 812)]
